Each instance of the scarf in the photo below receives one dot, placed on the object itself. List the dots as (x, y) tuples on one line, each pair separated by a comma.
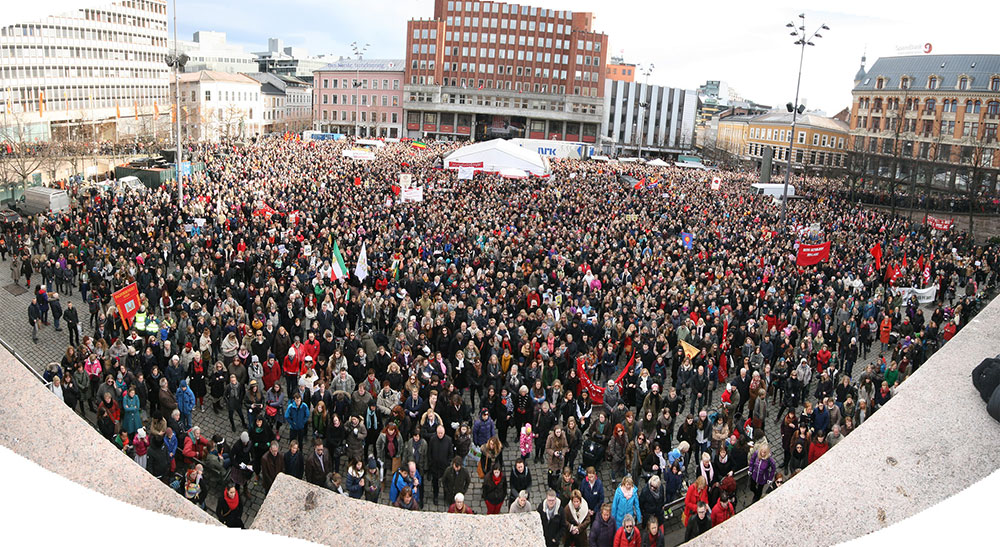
[(497, 479), (627, 493), (232, 502), (579, 514)]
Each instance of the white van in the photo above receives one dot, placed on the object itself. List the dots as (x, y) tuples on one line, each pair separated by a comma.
[(41, 199), (773, 190), (132, 183)]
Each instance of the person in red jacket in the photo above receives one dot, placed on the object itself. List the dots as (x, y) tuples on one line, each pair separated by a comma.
[(292, 367), (823, 359), (272, 372), (311, 347), (818, 447), (949, 330), (698, 491), (628, 535), (723, 510)]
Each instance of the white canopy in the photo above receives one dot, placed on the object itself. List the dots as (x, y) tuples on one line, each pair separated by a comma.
[(513, 173), (657, 163), (497, 154)]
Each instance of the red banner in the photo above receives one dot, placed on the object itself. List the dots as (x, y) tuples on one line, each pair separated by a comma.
[(812, 254), (940, 223), (127, 301)]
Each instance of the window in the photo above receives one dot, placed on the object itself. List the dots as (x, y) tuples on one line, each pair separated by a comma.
[(904, 83), (929, 106), (879, 83), (208, 95), (995, 84), (815, 139), (963, 83), (825, 141), (802, 140), (932, 82)]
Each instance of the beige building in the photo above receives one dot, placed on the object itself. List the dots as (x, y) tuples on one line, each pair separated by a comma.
[(820, 142)]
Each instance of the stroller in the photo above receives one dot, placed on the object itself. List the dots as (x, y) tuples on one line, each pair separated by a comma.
[(593, 455)]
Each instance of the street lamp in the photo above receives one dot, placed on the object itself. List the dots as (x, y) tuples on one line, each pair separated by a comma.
[(359, 51), (177, 63), (645, 71), (795, 108)]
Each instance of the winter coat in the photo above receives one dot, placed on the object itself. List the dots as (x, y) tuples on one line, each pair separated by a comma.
[(494, 492), (554, 527), (297, 416), (483, 430), (185, 398), (455, 482), (602, 532), (622, 506), (762, 470), (131, 417)]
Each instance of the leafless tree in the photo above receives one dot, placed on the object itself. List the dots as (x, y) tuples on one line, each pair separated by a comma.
[(25, 155)]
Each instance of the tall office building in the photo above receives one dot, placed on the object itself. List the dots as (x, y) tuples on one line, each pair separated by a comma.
[(493, 69), (663, 116), (88, 74)]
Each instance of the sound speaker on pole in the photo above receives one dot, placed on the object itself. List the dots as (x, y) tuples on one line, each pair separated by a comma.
[(765, 165)]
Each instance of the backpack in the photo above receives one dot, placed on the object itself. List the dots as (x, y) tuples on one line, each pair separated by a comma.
[(986, 377)]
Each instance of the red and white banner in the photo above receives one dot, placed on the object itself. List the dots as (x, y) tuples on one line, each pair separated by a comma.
[(926, 274), (127, 302), (940, 223), (812, 254), (716, 183)]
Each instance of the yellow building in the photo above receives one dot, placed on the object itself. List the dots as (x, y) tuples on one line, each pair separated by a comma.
[(820, 142)]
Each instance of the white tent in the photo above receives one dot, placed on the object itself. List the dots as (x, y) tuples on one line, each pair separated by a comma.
[(513, 173), (494, 155), (657, 163)]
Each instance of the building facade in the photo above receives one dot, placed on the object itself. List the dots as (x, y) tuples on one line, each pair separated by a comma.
[(664, 126), (928, 121), (491, 69), (96, 72), (287, 102), (289, 60), (359, 97), (618, 69), (208, 50), (820, 142), (219, 106)]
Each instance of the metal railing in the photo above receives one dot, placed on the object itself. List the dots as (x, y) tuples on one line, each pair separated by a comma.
[(24, 363)]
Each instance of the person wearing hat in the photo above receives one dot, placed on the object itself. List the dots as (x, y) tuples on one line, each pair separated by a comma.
[(373, 481), (140, 444), (185, 403)]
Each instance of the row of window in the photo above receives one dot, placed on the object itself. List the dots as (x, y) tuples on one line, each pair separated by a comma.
[(982, 156), (930, 105), (814, 157), (224, 95), (329, 83), (521, 87), (9, 73), (332, 99), (926, 127), (782, 136), (496, 7), (50, 52), (386, 117), (74, 99), (934, 82)]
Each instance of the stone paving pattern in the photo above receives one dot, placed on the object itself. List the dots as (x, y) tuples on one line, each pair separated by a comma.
[(14, 329)]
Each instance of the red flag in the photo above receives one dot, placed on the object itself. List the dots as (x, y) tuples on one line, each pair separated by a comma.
[(812, 254), (357, 181), (876, 251), (904, 260), (920, 263), (926, 274), (640, 184), (127, 302)]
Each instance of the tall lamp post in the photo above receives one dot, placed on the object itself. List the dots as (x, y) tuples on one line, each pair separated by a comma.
[(795, 108), (645, 71), (177, 63), (359, 51)]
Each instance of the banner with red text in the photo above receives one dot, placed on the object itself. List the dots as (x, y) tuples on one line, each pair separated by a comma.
[(812, 254)]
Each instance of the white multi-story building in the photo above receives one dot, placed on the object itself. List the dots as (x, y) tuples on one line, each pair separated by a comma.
[(667, 121), (209, 51), (96, 72), (220, 106)]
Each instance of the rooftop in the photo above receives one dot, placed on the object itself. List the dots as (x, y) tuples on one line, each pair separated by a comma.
[(214, 76), (919, 68)]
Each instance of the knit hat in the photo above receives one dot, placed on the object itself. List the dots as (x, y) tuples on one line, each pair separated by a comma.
[(372, 464), (141, 433)]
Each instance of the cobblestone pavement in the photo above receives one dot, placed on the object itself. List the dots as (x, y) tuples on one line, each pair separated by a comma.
[(15, 331)]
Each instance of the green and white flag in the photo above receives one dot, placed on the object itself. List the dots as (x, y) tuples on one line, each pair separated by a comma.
[(361, 270), (339, 270)]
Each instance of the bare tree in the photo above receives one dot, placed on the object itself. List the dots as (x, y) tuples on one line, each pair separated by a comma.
[(977, 152), (25, 155)]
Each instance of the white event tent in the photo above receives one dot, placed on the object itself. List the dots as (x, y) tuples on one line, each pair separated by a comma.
[(496, 155)]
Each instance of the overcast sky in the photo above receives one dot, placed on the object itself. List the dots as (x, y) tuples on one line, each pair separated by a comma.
[(744, 43)]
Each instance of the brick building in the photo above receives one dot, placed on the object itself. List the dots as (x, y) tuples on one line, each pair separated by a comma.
[(929, 119), (359, 96), (493, 69)]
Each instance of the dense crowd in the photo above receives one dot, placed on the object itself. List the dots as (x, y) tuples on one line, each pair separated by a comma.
[(501, 323)]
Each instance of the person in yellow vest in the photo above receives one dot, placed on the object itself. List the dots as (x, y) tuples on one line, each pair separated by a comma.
[(139, 321)]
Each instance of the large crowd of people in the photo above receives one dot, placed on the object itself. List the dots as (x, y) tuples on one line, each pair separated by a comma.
[(629, 327)]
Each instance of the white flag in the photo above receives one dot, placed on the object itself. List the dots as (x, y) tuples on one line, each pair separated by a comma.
[(361, 270)]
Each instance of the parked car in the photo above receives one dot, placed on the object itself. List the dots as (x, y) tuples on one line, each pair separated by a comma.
[(10, 217)]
